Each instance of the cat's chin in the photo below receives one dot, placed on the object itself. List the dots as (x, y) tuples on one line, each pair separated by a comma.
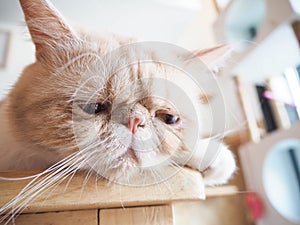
[(131, 166)]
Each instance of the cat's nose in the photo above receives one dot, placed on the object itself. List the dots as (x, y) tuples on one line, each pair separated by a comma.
[(133, 124)]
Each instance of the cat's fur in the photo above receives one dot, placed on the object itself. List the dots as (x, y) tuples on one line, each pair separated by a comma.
[(42, 121)]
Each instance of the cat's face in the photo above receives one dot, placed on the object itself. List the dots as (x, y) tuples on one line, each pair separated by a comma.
[(111, 103), (120, 117)]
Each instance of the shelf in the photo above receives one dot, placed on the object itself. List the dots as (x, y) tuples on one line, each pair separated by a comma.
[(265, 166), (184, 186)]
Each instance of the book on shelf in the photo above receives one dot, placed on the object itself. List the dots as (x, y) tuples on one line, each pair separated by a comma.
[(269, 118), (279, 95), (250, 106), (298, 71), (272, 105), (293, 81), (255, 106)]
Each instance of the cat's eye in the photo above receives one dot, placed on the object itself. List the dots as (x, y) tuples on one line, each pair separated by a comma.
[(95, 108), (168, 117)]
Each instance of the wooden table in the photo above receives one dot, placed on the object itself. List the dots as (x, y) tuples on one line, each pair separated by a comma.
[(107, 204)]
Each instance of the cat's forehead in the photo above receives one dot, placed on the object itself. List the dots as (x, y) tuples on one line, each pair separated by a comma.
[(121, 73), (127, 77)]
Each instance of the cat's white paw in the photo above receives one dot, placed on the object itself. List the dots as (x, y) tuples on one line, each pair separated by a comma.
[(222, 168), (214, 160)]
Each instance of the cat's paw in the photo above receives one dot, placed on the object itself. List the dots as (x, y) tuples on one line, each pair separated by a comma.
[(221, 170), (214, 160)]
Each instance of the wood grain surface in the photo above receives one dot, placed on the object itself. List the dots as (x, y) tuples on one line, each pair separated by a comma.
[(186, 185), (158, 215)]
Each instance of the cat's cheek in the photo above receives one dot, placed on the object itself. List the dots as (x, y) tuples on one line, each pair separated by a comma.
[(221, 170)]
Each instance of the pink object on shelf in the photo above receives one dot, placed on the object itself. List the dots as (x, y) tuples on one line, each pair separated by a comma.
[(255, 205), (271, 96)]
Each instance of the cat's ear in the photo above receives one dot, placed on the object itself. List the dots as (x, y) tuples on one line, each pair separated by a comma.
[(46, 26), (215, 57)]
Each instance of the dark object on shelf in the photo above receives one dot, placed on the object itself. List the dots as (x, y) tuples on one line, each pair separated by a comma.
[(252, 32), (292, 113), (298, 70), (296, 28), (295, 163), (269, 119)]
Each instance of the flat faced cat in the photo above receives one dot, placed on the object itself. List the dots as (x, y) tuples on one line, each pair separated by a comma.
[(109, 105)]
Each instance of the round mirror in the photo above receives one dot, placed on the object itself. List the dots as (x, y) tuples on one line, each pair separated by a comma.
[(244, 20), (281, 178)]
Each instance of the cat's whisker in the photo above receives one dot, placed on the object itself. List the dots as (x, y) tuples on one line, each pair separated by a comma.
[(164, 180), (55, 182), (36, 175), (70, 179), (156, 180), (121, 200), (34, 186), (19, 178), (70, 173), (31, 189), (24, 190), (20, 207), (88, 174), (62, 162), (72, 169)]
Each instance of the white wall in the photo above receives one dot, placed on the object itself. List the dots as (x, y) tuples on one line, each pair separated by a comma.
[(156, 20), (277, 52), (20, 54)]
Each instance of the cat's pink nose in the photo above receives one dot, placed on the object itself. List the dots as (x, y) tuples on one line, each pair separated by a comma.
[(133, 124)]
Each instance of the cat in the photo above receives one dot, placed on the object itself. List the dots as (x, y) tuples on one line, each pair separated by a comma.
[(110, 105)]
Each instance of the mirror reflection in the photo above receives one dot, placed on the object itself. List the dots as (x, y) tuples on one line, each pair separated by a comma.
[(281, 178)]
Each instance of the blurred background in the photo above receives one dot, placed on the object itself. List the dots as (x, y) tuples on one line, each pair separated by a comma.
[(260, 84), (175, 22)]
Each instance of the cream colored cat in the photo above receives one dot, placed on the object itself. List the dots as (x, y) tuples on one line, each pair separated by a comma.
[(108, 104)]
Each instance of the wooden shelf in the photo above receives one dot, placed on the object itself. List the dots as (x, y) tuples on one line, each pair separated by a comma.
[(186, 185), (237, 139), (109, 203)]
